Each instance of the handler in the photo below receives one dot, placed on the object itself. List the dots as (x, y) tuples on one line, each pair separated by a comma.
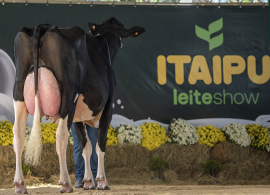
[(78, 158)]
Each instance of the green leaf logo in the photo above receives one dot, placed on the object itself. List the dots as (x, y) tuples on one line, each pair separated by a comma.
[(212, 28)]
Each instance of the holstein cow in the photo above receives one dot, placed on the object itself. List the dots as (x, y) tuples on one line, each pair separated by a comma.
[(65, 75)]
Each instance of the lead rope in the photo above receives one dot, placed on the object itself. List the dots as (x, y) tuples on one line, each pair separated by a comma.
[(108, 52)]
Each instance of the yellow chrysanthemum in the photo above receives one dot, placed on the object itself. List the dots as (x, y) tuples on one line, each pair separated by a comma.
[(48, 132), (259, 135), (6, 133), (210, 135), (112, 136), (154, 135)]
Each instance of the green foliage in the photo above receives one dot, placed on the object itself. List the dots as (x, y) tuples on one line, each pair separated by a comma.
[(25, 169), (211, 167), (156, 164)]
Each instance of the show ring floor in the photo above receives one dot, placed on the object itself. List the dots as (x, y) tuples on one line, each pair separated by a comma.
[(157, 189)]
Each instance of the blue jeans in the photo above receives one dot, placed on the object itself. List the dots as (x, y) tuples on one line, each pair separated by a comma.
[(78, 158)]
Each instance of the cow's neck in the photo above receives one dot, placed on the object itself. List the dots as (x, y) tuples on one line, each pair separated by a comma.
[(111, 46)]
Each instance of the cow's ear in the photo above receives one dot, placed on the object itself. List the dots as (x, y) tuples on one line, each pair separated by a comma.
[(92, 28), (135, 31)]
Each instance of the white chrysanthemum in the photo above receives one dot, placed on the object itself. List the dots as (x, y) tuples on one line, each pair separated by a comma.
[(128, 133), (237, 133), (182, 132)]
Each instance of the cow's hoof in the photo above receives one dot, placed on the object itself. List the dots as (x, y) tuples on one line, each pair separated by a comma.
[(89, 188), (105, 188), (102, 183), (88, 184), (64, 190), (20, 188), (66, 187)]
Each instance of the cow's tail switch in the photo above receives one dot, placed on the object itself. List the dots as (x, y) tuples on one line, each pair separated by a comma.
[(34, 145)]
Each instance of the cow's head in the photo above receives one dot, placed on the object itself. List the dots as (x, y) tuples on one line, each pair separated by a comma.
[(116, 27)]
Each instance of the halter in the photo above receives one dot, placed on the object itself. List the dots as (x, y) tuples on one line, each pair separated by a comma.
[(119, 38), (108, 52), (108, 46)]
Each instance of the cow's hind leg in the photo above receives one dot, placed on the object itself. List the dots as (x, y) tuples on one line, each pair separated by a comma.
[(101, 145), (19, 127), (61, 148), (101, 178), (86, 148)]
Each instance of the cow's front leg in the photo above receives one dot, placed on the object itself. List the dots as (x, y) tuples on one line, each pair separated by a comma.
[(61, 148), (101, 178), (18, 144)]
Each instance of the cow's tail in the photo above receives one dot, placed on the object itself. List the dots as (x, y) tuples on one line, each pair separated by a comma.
[(34, 145)]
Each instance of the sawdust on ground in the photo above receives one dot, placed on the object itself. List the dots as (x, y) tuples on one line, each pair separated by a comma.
[(156, 189)]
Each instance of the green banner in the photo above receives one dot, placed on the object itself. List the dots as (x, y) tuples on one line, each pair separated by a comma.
[(207, 64)]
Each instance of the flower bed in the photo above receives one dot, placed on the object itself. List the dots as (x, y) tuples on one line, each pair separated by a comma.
[(153, 135)]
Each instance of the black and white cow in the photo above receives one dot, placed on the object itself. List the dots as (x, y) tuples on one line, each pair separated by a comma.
[(65, 75)]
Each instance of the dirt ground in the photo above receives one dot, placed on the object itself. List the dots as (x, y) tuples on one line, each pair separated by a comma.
[(157, 189)]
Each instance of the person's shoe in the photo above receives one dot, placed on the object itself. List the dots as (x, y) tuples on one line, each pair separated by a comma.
[(79, 184)]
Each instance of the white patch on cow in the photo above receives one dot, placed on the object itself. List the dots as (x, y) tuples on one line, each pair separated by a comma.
[(19, 136), (122, 107), (34, 146), (118, 101), (97, 119), (84, 114), (113, 105), (76, 97)]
